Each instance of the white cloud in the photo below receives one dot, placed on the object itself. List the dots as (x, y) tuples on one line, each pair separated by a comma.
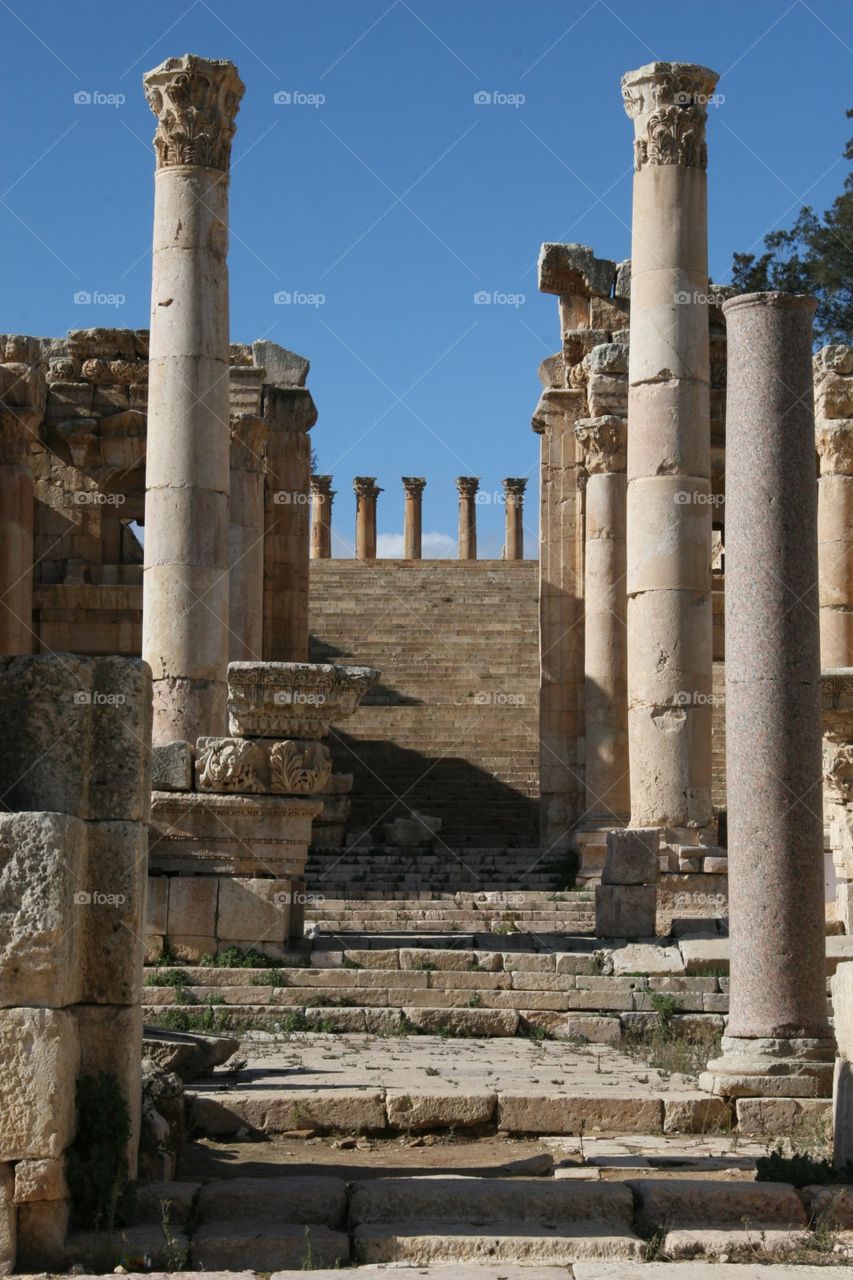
[(434, 546)]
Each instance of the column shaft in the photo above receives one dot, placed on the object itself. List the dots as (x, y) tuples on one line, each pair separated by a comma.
[(366, 493), (321, 517), (833, 368), (467, 487), (185, 597), (514, 518), (412, 517), (669, 462), (290, 413), (605, 607), (246, 539), (773, 701)]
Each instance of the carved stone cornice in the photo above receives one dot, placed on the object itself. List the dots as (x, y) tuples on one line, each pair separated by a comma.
[(195, 101), (365, 487), (834, 444), (413, 485), (514, 487), (668, 102), (467, 486), (604, 442)]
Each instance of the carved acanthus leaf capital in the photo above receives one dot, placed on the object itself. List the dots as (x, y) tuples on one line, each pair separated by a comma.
[(321, 487), (195, 101), (604, 442), (668, 102), (414, 485), (467, 486), (514, 487), (365, 487)]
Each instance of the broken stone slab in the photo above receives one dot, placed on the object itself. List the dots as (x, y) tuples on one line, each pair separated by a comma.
[(188, 1054), (574, 268), (281, 367), (172, 767), (608, 357), (704, 955), (623, 280), (293, 699)]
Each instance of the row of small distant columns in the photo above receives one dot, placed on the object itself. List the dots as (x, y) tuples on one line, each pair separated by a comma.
[(367, 492)]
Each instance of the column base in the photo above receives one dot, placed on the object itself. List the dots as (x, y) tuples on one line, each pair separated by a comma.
[(590, 843), (799, 1067)]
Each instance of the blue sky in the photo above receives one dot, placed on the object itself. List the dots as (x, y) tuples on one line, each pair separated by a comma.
[(397, 197)]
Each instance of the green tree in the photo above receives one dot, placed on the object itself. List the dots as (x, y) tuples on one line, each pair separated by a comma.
[(814, 256)]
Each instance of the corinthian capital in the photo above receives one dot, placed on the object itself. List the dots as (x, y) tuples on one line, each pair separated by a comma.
[(604, 442), (414, 485), (514, 486), (467, 486), (195, 101), (668, 102), (365, 486)]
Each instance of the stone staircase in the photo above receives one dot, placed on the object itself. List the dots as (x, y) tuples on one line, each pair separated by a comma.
[(452, 728)]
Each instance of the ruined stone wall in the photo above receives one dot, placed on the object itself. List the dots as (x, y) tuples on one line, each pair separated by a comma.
[(75, 759)]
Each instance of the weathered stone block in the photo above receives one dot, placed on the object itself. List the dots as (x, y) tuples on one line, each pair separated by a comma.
[(256, 909), (192, 906), (110, 912), (39, 1050), (625, 911), (40, 1180), (42, 870), (632, 856), (42, 1228), (172, 767), (573, 268), (110, 1039)]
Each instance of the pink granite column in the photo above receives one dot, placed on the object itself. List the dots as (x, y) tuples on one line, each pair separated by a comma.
[(467, 487), (366, 493), (412, 516), (321, 517), (777, 1038), (514, 513)]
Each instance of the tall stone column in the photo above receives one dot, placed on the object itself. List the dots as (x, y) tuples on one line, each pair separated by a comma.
[(246, 539), (290, 413), (833, 368), (412, 516), (185, 595), (366, 493), (777, 1038), (669, 451), (322, 495), (603, 441), (514, 518), (16, 532), (467, 487)]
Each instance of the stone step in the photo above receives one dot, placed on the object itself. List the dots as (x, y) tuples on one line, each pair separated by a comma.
[(266, 1223), (708, 1216), (441, 1219)]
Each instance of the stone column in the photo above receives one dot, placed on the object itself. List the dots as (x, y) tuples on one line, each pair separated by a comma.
[(777, 1038), (467, 487), (16, 532), (414, 487), (322, 494), (669, 454), (366, 493), (185, 596), (560, 607), (513, 518), (290, 413), (246, 538), (603, 441), (834, 439)]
